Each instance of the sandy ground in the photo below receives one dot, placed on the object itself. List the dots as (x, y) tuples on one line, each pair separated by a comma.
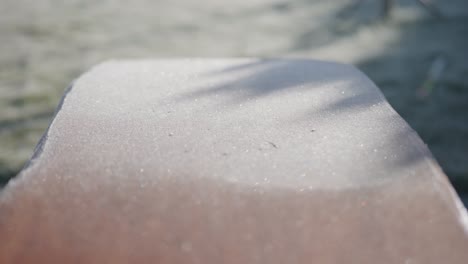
[(45, 44)]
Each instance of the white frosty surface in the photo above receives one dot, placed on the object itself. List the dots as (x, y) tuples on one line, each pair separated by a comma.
[(298, 124), (230, 161)]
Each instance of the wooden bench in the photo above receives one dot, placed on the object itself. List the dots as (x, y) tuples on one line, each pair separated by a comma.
[(230, 161)]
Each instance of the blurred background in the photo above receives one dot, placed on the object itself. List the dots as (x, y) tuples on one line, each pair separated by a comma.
[(416, 53)]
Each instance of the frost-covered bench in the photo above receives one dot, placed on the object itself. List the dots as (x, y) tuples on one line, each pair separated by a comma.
[(230, 161)]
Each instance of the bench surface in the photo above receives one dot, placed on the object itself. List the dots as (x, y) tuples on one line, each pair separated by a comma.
[(230, 161)]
